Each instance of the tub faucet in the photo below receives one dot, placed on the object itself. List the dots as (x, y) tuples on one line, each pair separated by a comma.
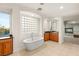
[(32, 36)]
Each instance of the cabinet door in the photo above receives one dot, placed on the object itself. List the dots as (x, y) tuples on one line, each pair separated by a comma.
[(54, 37), (1, 48), (7, 46), (46, 36)]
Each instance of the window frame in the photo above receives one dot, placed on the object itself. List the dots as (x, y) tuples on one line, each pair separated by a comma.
[(10, 23)]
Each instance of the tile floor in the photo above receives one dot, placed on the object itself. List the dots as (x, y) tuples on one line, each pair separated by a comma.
[(52, 49)]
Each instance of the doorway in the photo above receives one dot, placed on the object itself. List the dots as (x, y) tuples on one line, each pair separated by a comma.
[(71, 29)]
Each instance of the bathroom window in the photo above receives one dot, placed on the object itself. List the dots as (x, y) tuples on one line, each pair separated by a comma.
[(4, 24), (29, 24)]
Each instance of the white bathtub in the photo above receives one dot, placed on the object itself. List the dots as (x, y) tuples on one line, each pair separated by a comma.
[(31, 44)]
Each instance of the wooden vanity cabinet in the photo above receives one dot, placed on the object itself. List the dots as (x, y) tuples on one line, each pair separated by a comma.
[(1, 48), (6, 46), (46, 36), (52, 36)]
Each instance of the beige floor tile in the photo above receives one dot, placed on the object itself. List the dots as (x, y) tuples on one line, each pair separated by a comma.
[(68, 48)]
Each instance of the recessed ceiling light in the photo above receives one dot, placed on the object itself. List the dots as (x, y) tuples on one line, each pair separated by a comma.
[(41, 3), (32, 15), (61, 7)]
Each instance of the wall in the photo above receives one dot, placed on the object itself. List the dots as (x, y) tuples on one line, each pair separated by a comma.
[(46, 24), (58, 26), (76, 29), (55, 24), (15, 24)]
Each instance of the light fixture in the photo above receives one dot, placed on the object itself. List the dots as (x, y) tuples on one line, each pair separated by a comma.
[(61, 7), (39, 9), (32, 15), (41, 3)]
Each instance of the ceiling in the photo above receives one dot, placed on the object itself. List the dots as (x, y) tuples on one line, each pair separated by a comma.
[(71, 19), (53, 9)]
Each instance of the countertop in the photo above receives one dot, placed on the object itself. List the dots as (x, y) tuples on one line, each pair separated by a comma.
[(2, 38), (51, 31)]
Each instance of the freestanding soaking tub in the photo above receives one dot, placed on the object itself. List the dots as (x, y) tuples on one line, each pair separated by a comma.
[(31, 44)]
